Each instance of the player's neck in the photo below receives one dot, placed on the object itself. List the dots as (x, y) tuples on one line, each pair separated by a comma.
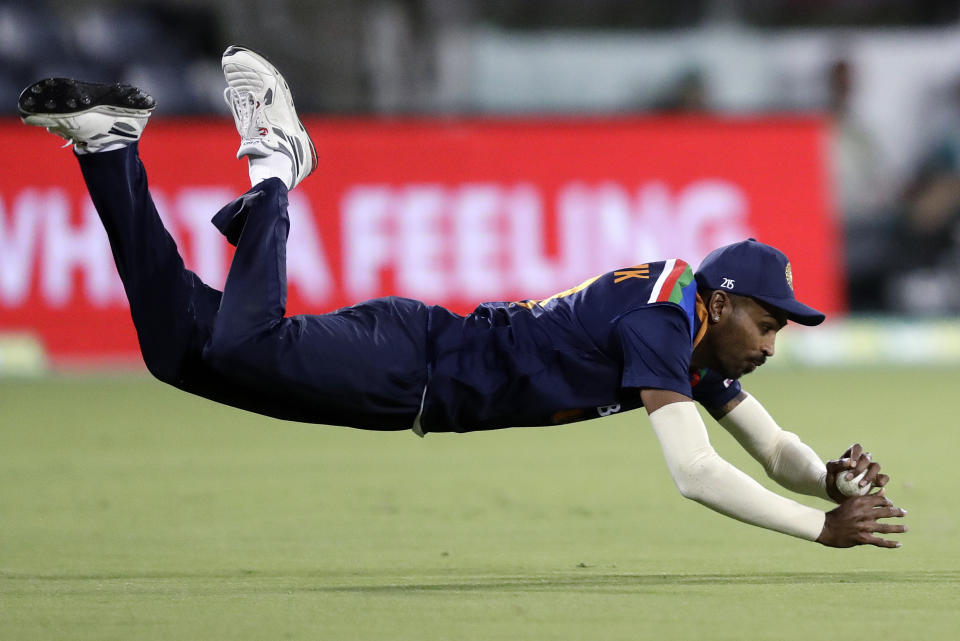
[(702, 356)]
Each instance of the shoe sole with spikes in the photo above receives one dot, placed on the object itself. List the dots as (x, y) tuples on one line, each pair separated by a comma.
[(93, 116)]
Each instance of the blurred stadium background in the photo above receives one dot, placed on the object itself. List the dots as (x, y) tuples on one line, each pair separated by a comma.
[(866, 199)]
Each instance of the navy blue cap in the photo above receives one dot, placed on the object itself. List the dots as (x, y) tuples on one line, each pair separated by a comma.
[(750, 268)]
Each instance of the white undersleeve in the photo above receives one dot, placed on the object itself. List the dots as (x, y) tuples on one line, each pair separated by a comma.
[(702, 475), (786, 459)]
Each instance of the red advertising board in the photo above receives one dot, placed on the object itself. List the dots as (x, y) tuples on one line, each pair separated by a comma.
[(450, 212)]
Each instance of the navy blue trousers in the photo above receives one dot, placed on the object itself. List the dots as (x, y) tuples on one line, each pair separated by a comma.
[(362, 366)]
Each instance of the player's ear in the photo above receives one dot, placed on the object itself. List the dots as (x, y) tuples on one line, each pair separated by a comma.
[(718, 304)]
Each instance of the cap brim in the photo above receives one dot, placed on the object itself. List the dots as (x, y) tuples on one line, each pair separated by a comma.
[(796, 311)]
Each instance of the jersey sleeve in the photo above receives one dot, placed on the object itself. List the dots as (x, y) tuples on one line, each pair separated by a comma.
[(656, 348), (710, 389)]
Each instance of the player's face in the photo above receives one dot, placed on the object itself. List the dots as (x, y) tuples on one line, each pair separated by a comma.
[(745, 336)]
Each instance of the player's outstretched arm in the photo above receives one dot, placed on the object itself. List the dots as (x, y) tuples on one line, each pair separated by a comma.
[(785, 458), (702, 475), (788, 460)]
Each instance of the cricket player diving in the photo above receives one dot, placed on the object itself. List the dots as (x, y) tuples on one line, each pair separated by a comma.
[(656, 335)]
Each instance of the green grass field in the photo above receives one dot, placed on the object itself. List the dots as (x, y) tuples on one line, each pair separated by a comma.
[(129, 510)]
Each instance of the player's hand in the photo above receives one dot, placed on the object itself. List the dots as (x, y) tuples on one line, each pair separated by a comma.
[(854, 522), (852, 463)]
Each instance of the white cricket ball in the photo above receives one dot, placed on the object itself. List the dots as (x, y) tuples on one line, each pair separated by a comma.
[(852, 487)]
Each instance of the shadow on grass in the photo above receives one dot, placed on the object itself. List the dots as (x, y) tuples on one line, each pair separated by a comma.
[(314, 581), (606, 582)]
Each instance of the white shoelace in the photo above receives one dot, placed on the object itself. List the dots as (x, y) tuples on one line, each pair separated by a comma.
[(245, 112)]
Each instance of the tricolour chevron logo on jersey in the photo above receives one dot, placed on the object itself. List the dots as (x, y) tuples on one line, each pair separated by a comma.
[(672, 282)]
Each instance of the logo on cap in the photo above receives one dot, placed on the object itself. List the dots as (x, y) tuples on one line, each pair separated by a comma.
[(789, 274)]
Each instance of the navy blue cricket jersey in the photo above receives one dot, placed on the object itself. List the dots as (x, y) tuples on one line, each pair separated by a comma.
[(582, 353)]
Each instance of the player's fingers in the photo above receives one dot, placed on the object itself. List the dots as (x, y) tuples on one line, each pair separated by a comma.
[(890, 528), (882, 479), (888, 512), (877, 499), (853, 453), (849, 468), (844, 471), (862, 463), (881, 543), (873, 471)]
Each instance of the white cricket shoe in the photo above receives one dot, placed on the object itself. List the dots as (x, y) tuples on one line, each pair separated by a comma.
[(91, 116), (263, 111)]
